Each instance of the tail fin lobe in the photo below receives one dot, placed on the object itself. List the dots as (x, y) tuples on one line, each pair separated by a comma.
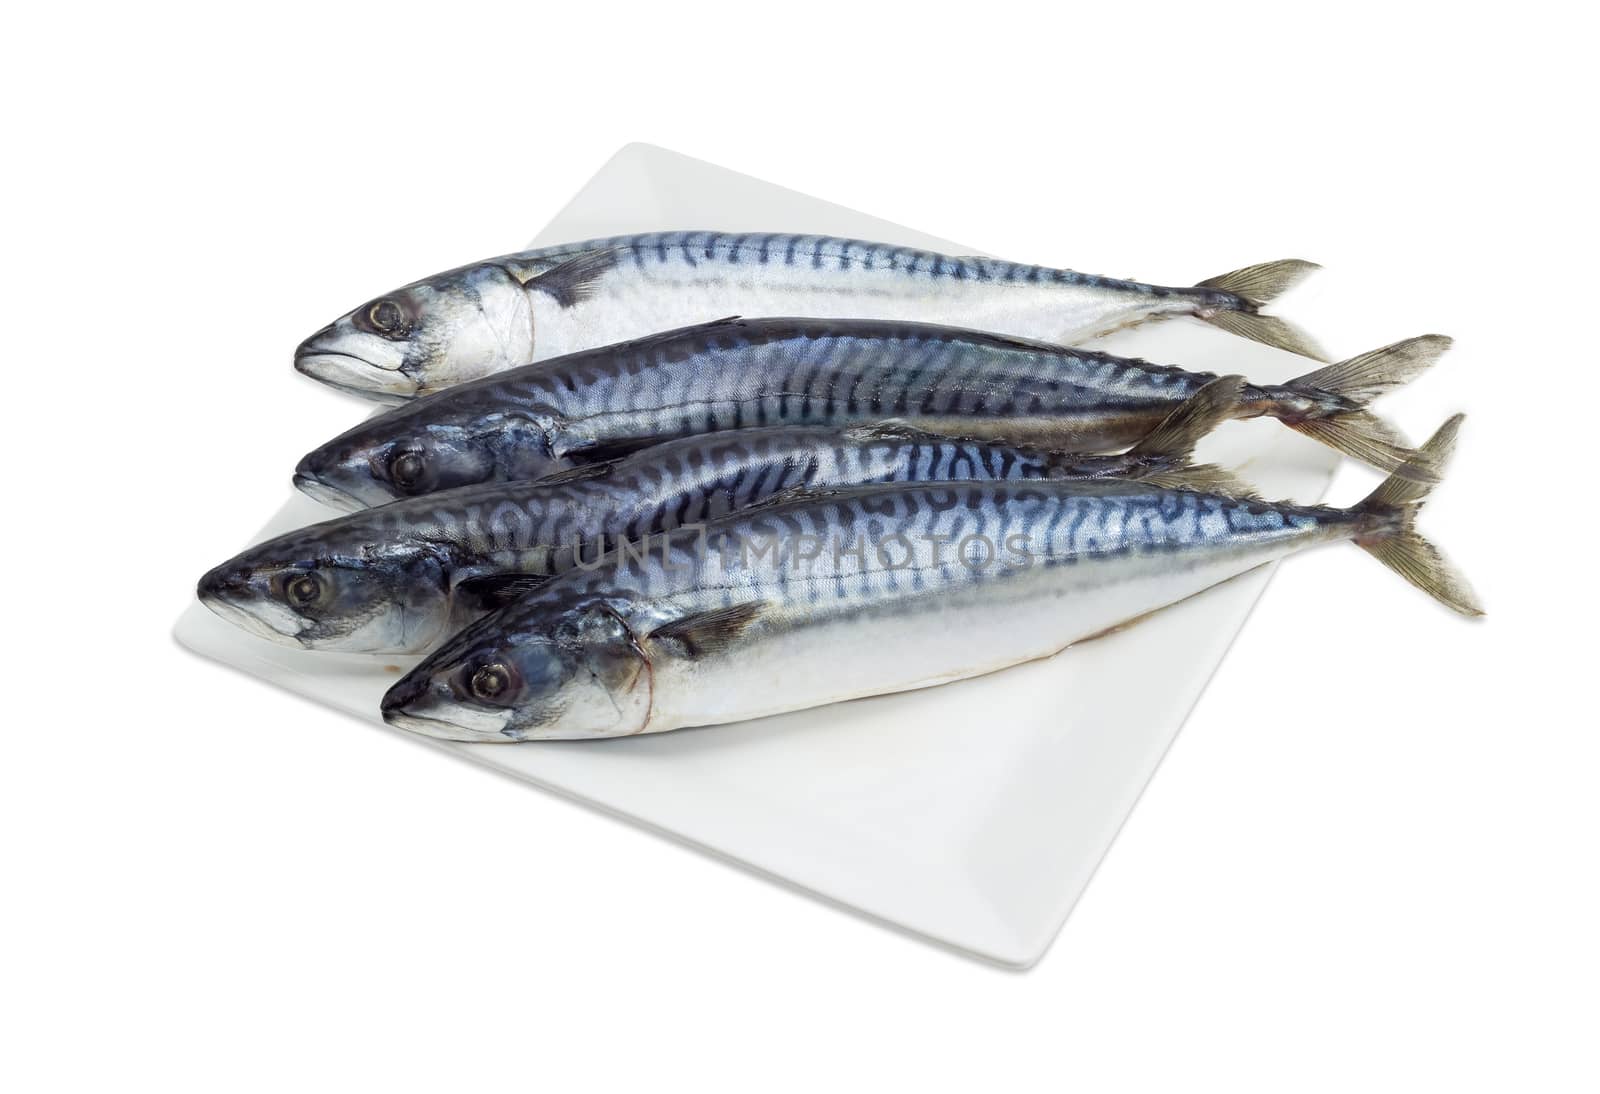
[(1263, 283), (1365, 376), (1362, 435), (1347, 425), (1269, 330), (1394, 540)]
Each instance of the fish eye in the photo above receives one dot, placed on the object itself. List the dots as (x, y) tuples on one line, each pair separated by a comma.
[(303, 589), (407, 470), (492, 682), (386, 316)]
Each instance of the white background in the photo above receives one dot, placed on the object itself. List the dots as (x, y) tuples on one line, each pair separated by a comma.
[(1370, 860)]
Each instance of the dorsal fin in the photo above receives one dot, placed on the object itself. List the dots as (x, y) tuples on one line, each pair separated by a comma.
[(575, 278), (657, 339)]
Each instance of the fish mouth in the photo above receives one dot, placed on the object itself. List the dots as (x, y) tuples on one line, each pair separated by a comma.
[(414, 703), (328, 494), (486, 727), (220, 604), (357, 375)]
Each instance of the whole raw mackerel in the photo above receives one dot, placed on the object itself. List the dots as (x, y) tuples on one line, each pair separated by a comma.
[(534, 305), (530, 421)]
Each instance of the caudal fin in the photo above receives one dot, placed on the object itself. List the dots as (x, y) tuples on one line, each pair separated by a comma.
[(1345, 423), (1255, 287), (1390, 533)]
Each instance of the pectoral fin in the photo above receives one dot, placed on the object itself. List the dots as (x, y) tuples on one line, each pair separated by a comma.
[(580, 473), (494, 591), (575, 279), (709, 632)]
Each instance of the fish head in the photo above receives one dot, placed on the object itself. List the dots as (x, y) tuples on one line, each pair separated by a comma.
[(533, 671), (455, 326), (423, 448), (346, 590)]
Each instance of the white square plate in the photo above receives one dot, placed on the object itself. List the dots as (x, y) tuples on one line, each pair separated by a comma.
[(974, 813)]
